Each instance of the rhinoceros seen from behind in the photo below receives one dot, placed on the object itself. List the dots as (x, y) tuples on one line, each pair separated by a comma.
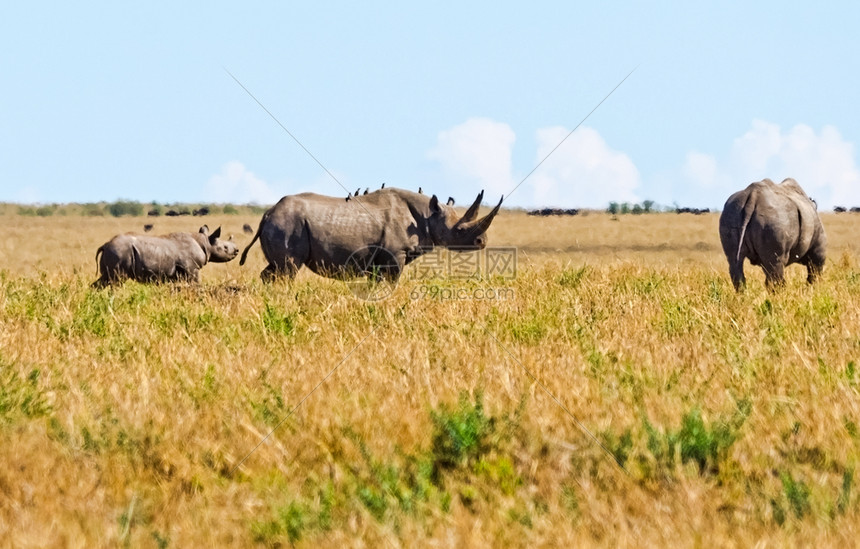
[(172, 257), (774, 226), (377, 233)]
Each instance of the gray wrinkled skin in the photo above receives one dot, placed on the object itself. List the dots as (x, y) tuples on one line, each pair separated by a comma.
[(172, 257), (341, 238), (774, 226)]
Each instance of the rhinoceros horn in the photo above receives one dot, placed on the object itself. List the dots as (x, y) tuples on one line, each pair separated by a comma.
[(481, 225), (472, 212)]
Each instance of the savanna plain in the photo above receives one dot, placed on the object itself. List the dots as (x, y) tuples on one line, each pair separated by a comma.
[(614, 391)]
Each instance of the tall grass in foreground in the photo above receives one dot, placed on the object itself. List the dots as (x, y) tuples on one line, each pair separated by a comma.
[(135, 416), (731, 418)]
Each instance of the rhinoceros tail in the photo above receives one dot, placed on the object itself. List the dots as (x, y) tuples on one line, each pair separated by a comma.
[(98, 253), (253, 240), (749, 210)]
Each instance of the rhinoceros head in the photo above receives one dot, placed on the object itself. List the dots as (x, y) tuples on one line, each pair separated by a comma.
[(220, 251), (467, 232)]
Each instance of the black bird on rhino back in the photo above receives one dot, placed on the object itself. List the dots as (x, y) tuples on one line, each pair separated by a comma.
[(774, 226), (338, 238)]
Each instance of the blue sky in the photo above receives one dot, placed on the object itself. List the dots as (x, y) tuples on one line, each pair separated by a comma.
[(106, 101)]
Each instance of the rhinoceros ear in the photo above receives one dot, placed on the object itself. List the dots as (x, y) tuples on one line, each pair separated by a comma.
[(204, 229), (450, 200), (434, 205), (214, 236)]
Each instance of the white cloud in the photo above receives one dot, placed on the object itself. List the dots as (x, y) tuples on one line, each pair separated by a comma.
[(701, 168), (236, 184), (28, 194), (753, 151), (823, 163), (477, 150), (584, 171)]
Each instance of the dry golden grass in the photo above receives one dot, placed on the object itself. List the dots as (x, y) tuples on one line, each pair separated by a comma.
[(125, 413)]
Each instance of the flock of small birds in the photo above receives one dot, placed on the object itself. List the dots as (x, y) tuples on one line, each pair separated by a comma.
[(366, 191)]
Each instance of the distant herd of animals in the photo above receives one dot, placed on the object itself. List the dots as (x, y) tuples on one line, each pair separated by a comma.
[(554, 211), (545, 212), (378, 233), (174, 213)]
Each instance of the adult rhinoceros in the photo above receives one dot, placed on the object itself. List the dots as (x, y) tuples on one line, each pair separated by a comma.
[(176, 256), (774, 226), (378, 233)]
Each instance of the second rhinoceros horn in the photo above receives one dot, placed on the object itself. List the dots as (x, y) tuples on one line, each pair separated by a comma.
[(468, 221), (472, 212)]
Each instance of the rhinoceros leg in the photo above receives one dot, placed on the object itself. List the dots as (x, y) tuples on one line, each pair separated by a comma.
[(814, 262), (774, 272), (812, 272), (185, 274), (736, 272), (730, 239), (273, 271), (285, 250), (385, 265), (813, 269), (268, 274), (110, 267), (106, 278)]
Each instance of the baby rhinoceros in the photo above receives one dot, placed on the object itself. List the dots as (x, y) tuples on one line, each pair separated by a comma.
[(176, 256)]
